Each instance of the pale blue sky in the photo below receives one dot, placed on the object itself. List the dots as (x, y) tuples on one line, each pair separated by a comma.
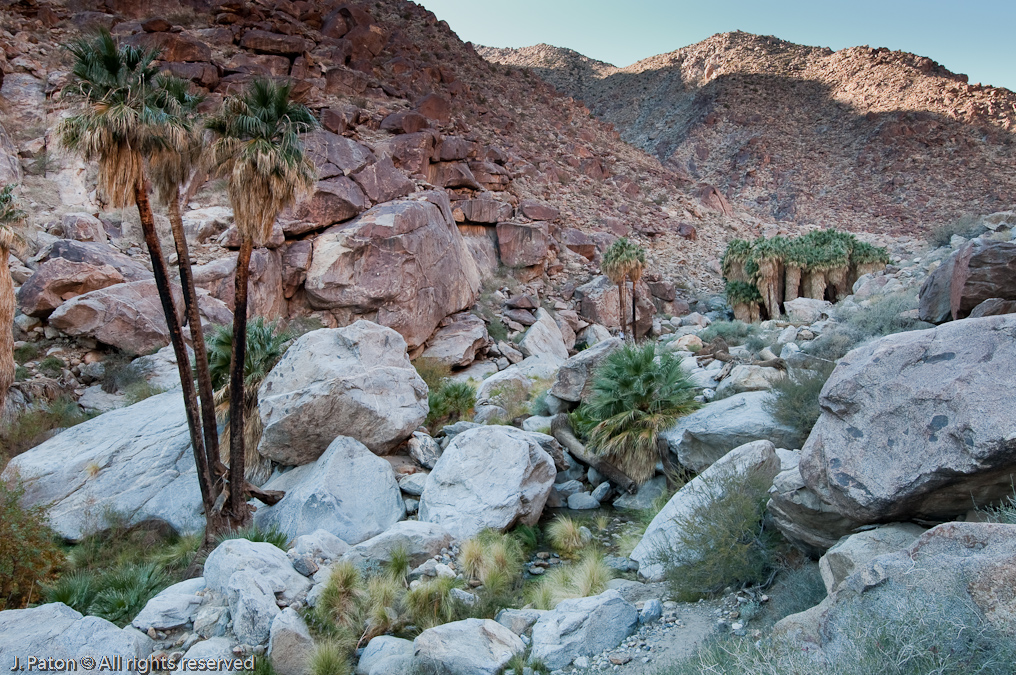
[(975, 37)]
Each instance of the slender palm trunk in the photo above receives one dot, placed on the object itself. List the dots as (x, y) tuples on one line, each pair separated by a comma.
[(620, 302), (179, 348), (7, 367), (239, 512), (634, 305), (205, 389)]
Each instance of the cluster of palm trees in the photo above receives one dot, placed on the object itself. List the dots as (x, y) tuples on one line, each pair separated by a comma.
[(143, 129), (622, 261)]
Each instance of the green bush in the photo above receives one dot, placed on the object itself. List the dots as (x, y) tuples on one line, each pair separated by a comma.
[(266, 343), (793, 400), (272, 535), (637, 394), (139, 391), (51, 366), (431, 371), (116, 594), (885, 316), (733, 332), (26, 353), (916, 638), (36, 425), (967, 227), (723, 541), (29, 554), (795, 590), (449, 402), (119, 373)]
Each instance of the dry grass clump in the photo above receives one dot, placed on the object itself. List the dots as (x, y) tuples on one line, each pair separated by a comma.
[(589, 576), (566, 536)]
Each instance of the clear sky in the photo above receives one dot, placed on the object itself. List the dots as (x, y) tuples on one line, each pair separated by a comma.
[(975, 37)]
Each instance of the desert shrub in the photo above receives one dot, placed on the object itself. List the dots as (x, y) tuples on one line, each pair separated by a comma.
[(885, 316), (271, 535), (733, 332), (431, 603), (913, 637), (795, 590), (26, 353), (833, 344), (449, 402), (35, 425), (723, 541), (588, 576), (75, 589), (29, 554), (793, 400), (21, 373), (431, 371), (967, 226), (513, 396), (339, 611), (637, 394), (119, 373), (139, 391), (1004, 512), (51, 366), (330, 658), (566, 536)]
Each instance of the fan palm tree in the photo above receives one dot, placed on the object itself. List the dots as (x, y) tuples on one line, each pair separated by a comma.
[(258, 150), (121, 126), (612, 265), (10, 240), (625, 260), (170, 167), (637, 394)]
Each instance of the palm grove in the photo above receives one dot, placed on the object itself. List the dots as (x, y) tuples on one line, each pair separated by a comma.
[(145, 134)]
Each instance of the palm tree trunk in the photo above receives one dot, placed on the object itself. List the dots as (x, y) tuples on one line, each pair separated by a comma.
[(239, 512), (205, 389), (634, 305), (7, 367), (179, 348), (620, 302)]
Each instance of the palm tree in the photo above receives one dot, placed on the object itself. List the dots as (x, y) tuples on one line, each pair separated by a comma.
[(121, 126), (637, 394), (10, 240), (171, 166), (624, 260), (612, 265), (259, 151)]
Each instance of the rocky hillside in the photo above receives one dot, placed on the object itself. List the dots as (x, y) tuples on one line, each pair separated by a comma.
[(861, 138)]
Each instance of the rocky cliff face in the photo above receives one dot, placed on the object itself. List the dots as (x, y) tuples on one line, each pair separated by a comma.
[(866, 139)]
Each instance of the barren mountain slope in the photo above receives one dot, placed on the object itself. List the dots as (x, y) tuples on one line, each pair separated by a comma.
[(553, 148), (861, 138)]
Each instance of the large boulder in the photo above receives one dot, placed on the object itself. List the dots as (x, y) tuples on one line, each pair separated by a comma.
[(583, 627), (457, 343), (662, 534), (95, 253), (56, 631), (801, 516), (335, 200), (290, 645), (355, 381), (708, 434), (419, 540), (266, 560), (522, 376), (336, 155), (404, 263), (598, 303), (265, 294), (382, 182), (58, 280), (980, 270), (911, 425), (136, 461), (852, 552), (745, 377), (128, 316), (173, 607), (252, 606), (544, 339), (492, 476), (349, 491), (469, 647), (959, 573), (575, 378), (380, 648), (523, 244)]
